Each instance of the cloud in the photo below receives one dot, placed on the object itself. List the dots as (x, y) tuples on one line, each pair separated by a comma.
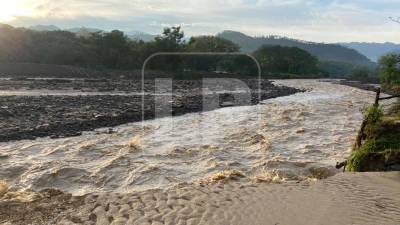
[(328, 20)]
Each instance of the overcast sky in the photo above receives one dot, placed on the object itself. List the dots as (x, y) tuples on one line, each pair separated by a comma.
[(323, 21)]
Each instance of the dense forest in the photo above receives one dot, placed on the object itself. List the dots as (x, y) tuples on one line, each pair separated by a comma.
[(324, 52), (337, 60), (116, 51)]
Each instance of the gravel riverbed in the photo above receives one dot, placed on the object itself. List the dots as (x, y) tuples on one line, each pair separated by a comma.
[(31, 108)]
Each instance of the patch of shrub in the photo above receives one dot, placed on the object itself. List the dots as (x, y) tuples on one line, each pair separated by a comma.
[(374, 114)]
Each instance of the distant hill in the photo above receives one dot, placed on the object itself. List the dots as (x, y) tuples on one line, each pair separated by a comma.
[(324, 52), (141, 36), (80, 31), (21, 45), (373, 50), (84, 31), (44, 28)]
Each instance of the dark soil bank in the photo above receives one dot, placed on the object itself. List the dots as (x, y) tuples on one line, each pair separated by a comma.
[(357, 84), (32, 116)]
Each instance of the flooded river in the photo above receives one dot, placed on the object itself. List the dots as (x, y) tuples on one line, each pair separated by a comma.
[(283, 139)]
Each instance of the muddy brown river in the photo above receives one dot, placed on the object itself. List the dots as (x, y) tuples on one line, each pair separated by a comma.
[(284, 139)]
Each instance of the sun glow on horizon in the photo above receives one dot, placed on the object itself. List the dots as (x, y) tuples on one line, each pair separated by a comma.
[(9, 10)]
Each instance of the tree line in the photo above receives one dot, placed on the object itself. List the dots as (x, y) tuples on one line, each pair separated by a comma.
[(114, 50)]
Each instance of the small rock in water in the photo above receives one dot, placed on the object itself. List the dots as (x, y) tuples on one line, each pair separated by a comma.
[(54, 136), (300, 131), (43, 126), (110, 131), (98, 116), (226, 104)]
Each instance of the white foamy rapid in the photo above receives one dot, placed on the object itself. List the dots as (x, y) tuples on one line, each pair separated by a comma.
[(295, 137)]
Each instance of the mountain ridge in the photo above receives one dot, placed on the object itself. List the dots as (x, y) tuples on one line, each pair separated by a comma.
[(323, 51), (86, 31), (373, 50), (140, 36), (40, 27), (359, 53)]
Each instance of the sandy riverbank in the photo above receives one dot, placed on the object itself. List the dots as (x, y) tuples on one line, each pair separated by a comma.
[(361, 198)]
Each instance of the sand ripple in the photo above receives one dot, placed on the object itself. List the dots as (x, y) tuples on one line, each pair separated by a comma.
[(360, 199)]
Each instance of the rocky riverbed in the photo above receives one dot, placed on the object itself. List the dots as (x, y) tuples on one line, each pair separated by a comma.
[(31, 108)]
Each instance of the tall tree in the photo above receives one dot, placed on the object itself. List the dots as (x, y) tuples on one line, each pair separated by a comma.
[(171, 40), (208, 44), (390, 72), (113, 50)]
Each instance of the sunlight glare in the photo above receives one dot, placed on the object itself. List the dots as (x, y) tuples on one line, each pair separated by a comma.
[(9, 10)]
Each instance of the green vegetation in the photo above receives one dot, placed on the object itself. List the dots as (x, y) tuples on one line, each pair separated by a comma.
[(115, 51), (208, 44), (324, 52), (283, 61), (279, 57), (336, 60), (374, 114), (350, 71), (382, 146), (364, 75), (390, 72), (336, 69), (381, 149)]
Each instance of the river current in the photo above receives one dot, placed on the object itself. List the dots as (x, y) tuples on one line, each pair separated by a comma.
[(281, 140)]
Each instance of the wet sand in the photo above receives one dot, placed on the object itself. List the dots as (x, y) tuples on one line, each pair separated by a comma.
[(346, 198)]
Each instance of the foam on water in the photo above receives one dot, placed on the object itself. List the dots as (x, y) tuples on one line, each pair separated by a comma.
[(288, 138)]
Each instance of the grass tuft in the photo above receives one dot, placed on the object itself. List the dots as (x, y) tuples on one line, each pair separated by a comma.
[(374, 114)]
